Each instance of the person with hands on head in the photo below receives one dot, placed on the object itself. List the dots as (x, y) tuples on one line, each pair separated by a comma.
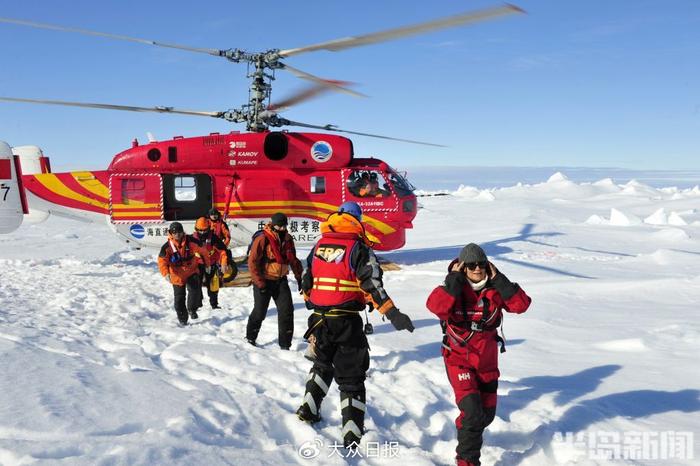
[(178, 263), (470, 307), (271, 256), (341, 268)]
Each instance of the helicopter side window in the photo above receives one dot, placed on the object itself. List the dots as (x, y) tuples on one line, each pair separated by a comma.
[(133, 192), (318, 184), (368, 184), (185, 189)]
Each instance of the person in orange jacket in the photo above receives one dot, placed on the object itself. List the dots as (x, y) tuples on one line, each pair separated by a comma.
[(219, 226), (178, 263), (341, 270), (219, 256), (271, 256)]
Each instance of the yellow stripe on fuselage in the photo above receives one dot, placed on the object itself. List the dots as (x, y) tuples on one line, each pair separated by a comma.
[(53, 184), (150, 214), (245, 208), (136, 205), (90, 183)]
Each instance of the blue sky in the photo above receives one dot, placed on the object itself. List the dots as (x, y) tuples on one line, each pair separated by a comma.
[(572, 83)]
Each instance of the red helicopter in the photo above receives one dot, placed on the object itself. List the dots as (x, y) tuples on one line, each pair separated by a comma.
[(246, 175)]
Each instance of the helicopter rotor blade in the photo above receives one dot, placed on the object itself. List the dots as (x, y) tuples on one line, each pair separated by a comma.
[(305, 94), (114, 107), (335, 129), (330, 84), (404, 31), (215, 52)]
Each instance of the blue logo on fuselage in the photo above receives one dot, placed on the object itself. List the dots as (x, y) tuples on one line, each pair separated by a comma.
[(321, 151), (137, 231)]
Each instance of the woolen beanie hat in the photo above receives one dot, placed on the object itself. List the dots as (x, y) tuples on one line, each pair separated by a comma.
[(279, 219), (472, 253)]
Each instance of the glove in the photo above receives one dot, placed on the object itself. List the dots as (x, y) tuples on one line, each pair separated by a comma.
[(167, 278), (454, 283), (505, 287), (207, 269), (399, 320)]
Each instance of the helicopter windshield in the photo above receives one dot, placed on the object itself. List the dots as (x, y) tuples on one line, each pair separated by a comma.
[(401, 185)]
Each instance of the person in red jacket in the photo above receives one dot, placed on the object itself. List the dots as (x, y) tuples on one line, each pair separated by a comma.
[(470, 307)]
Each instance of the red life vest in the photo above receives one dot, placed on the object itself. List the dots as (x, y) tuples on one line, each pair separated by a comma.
[(335, 281)]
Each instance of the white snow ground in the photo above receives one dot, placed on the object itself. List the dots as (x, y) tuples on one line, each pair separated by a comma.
[(94, 369)]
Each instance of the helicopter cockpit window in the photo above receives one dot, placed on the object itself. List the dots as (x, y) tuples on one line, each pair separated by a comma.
[(402, 186), (318, 184), (185, 188), (368, 183), (133, 191)]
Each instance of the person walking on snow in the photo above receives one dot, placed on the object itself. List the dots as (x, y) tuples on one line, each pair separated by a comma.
[(219, 226), (272, 254), (341, 268), (178, 263), (219, 256), (470, 307)]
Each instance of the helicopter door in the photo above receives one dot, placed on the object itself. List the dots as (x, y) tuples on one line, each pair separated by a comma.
[(186, 197), (370, 189), (135, 197)]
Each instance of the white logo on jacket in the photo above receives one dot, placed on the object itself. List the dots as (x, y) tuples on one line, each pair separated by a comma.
[(463, 376)]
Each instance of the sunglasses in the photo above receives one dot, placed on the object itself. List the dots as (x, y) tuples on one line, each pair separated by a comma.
[(473, 265), (201, 231)]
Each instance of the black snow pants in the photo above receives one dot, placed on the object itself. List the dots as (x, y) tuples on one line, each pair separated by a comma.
[(279, 291), (206, 281), (341, 352), (191, 293)]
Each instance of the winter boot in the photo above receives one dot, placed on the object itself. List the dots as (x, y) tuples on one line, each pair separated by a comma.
[(304, 414), (316, 388), (352, 410), (193, 314), (251, 341), (182, 318)]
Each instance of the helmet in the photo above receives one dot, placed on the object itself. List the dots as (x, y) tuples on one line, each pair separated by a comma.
[(176, 227), (352, 208), (202, 224), (213, 212)]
